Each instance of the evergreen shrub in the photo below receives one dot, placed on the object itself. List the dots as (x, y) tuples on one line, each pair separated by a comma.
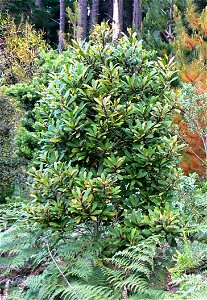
[(108, 156)]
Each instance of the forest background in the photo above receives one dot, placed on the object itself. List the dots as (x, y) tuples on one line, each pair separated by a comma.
[(103, 139)]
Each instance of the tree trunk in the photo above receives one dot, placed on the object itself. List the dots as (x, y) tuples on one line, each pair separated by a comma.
[(109, 14), (137, 15), (117, 18), (124, 293), (168, 34), (83, 19), (121, 15), (38, 3), (94, 13), (171, 21), (62, 25)]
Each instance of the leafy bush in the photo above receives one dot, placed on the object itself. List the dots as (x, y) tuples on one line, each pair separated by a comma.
[(26, 95), (20, 45), (7, 159), (107, 153), (19, 49)]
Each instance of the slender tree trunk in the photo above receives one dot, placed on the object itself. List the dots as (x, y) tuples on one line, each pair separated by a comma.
[(83, 19), (110, 11), (124, 293), (94, 13), (137, 15), (62, 25), (121, 14), (117, 18), (38, 3), (171, 21), (168, 35)]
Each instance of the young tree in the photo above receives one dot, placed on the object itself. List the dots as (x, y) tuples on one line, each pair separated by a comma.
[(73, 20), (83, 19), (107, 154), (191, 47), (158, 30)]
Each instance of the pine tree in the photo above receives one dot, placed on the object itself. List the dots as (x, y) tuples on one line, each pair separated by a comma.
[(191, 47), (158, 30)]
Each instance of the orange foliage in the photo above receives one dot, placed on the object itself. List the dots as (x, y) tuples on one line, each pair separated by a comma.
[(192, 17), (194, 72), (197, 23), (189, 76), (193, 155), (203, 22), (189, 42)]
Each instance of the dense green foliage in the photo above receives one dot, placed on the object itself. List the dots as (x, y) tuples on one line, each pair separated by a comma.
[(107, 153), (158, 25), (26, 95), (7, 158), (189, 268), (75, 261)]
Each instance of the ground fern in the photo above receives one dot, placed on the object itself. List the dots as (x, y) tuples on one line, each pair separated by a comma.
[(90, 278), (45, 267)]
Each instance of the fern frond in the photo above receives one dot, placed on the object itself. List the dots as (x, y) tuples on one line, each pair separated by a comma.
[(77, 262), (191, 287), (89, 292)]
